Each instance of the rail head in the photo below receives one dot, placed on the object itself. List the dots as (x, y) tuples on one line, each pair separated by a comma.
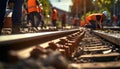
[(111, 37), (20, 41)]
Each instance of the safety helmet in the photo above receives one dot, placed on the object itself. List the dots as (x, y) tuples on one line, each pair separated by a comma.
[(105, 13), (114, 15), (40, 4)]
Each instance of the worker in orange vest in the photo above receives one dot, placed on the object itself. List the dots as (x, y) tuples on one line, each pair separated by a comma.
[(114, 20), (75, 22), (34, 16), (54, 17), (40, 11), (94, 21)]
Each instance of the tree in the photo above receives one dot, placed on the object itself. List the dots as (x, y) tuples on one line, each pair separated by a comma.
[(46, 7), (111, 6), (78, 7)]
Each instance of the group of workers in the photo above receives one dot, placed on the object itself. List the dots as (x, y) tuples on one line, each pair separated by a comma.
[(33, 10), (54, 18)]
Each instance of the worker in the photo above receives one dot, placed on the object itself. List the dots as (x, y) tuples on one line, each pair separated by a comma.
[(34, 16), (54, 16), (40, 11), (63, 19), (114, 20), (8, 15), (75, 22), (94, 21), (16, 16)]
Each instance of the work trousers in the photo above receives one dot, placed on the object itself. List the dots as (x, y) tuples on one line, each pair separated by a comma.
[(35, 18), (93, 25), (54, 23)]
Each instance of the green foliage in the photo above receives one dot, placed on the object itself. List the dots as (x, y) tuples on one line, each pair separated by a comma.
[(93, 6), (46, 7), (88, 13), (105, 5)]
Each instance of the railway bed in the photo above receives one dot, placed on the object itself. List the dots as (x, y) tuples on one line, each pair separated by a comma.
[(100, 50), (82, 48)]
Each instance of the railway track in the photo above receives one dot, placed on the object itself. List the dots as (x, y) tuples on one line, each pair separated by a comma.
[(100, 50), (78, 49)]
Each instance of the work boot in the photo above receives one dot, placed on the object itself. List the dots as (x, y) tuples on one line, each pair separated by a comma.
[(16, 29), (34, 29)]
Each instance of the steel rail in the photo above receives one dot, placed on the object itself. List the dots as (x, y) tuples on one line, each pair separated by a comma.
[(24, 41), (112, 28), (113, 38), (16, 42)]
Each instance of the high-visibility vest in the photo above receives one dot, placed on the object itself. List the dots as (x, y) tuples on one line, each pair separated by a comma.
[(92, 17), (75, 20), (39, 9), (32, 6), (82, 23), (115, 18), (63, 17)]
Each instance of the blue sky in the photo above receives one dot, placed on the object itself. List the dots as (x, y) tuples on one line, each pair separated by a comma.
[(61, 4)]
